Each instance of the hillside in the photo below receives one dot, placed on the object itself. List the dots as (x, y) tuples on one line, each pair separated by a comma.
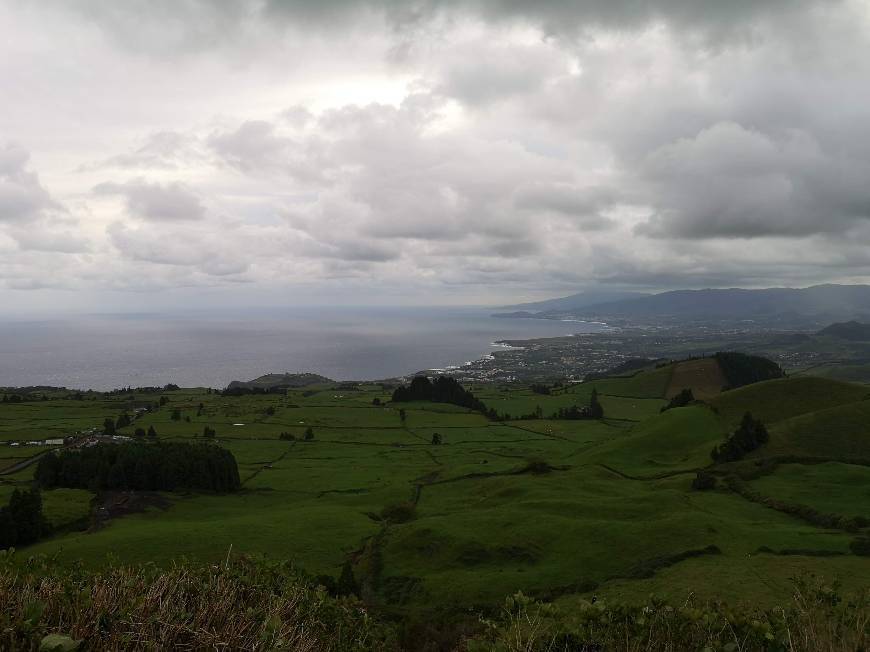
[(839, 432), (432, 513), (273, 382), (816, 304), (574, 302), (851, 330), (776, 400)]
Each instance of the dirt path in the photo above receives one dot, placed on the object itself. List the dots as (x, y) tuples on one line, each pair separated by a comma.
[(268, 464)]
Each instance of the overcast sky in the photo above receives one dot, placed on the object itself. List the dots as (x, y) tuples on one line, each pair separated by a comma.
[(160, 153)]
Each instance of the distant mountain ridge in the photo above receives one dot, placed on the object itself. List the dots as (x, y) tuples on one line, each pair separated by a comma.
[(575, 301), (822, 302)]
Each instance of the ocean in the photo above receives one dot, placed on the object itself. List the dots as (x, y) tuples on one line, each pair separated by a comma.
[(211, 349)]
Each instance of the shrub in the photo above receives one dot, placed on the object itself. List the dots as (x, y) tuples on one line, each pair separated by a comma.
[(860, 547), (704, 481), (399, 512), (817, 619), (680, 400), (244, 604), (750, 434)]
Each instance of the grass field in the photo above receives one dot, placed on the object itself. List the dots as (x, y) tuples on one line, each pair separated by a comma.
[(702, 376), (555, 508)]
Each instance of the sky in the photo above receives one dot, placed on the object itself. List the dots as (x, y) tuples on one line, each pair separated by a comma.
[(161, 154)]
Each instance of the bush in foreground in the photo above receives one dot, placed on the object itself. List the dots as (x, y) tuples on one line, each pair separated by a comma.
[(249, 604), (242, 605), (818, 618)]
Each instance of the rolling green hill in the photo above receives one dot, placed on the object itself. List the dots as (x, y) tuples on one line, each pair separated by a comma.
[(777, 400), (841, 432), (556, 508)]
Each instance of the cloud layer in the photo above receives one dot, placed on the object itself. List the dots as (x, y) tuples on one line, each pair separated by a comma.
[(433, 151)]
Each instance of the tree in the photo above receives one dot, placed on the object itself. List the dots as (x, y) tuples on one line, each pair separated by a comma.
[(750, 434), (123, 421), (25, 515), (596, 411), (116, 478), (176, 415), (309, 434), (164, 400), (8, 533), (108, 427), (158, 466), (152, 434), (209, 433), (376, 401), (139, 433), (436, 439), (680, 400), (347, 584), (402, 415)]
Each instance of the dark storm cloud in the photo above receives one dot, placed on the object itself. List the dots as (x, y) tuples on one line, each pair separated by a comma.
[(487, 144), (584, 205), (162, 26), (732, 182)]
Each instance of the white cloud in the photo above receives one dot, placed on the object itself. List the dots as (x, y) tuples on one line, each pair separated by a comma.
[(465, 148), (156, 202)]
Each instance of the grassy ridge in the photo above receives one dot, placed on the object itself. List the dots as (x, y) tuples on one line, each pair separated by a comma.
[(839, 432), (777, 400)]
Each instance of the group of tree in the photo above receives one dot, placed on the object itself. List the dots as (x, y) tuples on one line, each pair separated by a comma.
[(244, 390), (21, 521), (164, 466), (741, 369), (540, 388), (680, 400), (308, 435), (592, 411), (443, 389), (750, 434), (141, 433)]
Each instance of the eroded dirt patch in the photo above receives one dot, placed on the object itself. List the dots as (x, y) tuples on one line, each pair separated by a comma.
[(110, 505)]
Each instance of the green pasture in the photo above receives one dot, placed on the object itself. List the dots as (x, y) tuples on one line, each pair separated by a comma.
[(556, 508), (831, 487)]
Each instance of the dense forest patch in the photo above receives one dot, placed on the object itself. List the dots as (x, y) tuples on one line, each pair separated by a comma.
[(162, 466)]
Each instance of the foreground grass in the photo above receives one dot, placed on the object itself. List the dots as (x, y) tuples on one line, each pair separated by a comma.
[(253, 605), (817, 619), (242, 605)]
